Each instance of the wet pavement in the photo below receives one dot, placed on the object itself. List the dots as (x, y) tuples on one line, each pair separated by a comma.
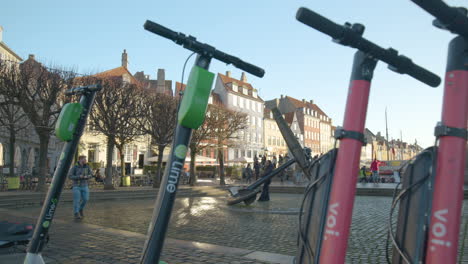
[(268, 227)]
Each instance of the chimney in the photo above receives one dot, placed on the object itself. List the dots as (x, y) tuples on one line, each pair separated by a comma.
[(125, 59), (228, 74), (161, 81), (31, 57), (243, 77), (1, 33), (303, 100), (281, 96), (311, 101)]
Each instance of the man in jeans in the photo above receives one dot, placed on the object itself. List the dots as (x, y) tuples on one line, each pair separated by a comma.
[(80, 174)]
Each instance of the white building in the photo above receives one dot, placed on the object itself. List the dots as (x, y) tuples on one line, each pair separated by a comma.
[(239, 95)]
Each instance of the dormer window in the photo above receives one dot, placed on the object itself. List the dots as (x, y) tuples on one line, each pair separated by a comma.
[(254, 94), (245, 91), (234, 87)]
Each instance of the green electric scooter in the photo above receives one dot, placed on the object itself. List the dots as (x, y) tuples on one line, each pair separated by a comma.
[(190, 116)]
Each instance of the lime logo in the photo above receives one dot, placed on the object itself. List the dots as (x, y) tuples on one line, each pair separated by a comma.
[(62, 156), (46, 224), (181, 151), (54, 200)]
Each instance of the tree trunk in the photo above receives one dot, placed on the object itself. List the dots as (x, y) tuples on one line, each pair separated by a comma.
[(158, 176), (110, 151), (222, 182), (193, 176), (42, 171), (12, 152), (122, 165), (122, 161)]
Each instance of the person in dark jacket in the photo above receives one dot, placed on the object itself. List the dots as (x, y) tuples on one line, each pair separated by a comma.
[(265, 196), (256, 167), (80, 174)]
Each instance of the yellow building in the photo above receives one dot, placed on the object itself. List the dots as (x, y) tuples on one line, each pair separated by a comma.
[(274, 142)]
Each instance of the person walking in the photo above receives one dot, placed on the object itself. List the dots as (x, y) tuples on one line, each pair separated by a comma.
[(80, 174), (248, 173), (375, 170), (265, 196), (256, 167)]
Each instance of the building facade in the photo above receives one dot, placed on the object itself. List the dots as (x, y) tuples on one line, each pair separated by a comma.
[(274, 141), (239, 95)]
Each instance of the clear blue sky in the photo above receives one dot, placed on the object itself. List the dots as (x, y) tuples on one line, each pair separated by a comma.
[(299, 61)]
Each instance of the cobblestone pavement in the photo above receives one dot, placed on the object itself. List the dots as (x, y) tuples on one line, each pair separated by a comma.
[(268, 227)]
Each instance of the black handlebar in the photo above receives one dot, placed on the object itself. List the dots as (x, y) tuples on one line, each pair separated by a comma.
[(351, 35), (192, 44), (451, 18), (83, 89)]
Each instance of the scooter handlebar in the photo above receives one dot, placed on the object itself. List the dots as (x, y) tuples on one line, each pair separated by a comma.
[(320, 23), (82, 89), (353, 38), (191, 43), (160, 30), (451, 18)]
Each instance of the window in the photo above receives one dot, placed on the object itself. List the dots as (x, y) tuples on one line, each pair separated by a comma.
[(234, 99), (241, 105), (247, 104), (245, 91), (259, 122), (269, 140), (128, 153), (254, 120), (254, 94), (234, 87), (259, 106)]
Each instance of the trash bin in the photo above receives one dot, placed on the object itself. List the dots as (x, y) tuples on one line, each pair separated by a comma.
[(13, 183), (126, 181)]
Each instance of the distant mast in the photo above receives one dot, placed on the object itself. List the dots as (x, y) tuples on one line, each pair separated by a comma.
[(386, 129)]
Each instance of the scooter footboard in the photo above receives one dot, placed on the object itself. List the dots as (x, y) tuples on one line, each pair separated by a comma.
[(414, 202), (314, 208)]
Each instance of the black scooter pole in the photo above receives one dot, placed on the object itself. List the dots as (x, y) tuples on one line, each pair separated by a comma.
[(167, 190), (191, 115), (44, 221)]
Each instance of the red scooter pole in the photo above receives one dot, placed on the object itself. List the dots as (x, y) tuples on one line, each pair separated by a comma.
[(334, 231), (340, 205), (445, 215), (447, 201)]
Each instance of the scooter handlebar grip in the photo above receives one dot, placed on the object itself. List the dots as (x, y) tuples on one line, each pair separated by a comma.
[(319, 22), (424, 76), (160, 30), (252, 69)]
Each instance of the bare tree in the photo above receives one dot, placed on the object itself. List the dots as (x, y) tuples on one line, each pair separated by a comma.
[(38, 90), (115, 113), (160, 112), (228, 123), (201, 139), (12, 118)]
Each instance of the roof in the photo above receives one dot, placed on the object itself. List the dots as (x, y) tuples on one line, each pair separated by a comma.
[(2, 44), (118, 72), (179, 87), (226, 80), (301, 104), (289, 117)]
